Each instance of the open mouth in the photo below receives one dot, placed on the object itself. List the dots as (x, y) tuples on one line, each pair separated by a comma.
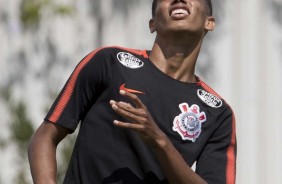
[(179, 12)]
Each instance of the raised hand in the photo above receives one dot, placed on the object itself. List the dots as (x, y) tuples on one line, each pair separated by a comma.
[(138, 119)]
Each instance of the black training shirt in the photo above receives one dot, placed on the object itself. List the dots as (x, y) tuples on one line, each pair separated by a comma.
[(196, 119)]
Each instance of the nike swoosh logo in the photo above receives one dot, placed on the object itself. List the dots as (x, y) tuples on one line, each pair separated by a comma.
[(122, 87)]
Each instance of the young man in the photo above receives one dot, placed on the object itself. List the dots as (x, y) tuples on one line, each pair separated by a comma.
[(145, 117)]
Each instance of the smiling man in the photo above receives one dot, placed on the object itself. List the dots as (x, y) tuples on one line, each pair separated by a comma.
[(145, 116)]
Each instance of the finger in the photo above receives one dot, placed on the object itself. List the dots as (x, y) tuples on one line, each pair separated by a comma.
[(134, 98), (134, 116), (122, 105), (126, 125), (129, 108)]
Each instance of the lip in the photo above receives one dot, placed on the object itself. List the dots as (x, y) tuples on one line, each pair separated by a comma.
[(179, 6)]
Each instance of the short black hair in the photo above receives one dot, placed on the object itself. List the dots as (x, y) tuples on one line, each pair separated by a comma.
[(208, 5)]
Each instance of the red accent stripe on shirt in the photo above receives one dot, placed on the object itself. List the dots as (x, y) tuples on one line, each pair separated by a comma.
[(209, 89), (231, 158), (230, 153), (134, 51), (67, 93), (63, 101)]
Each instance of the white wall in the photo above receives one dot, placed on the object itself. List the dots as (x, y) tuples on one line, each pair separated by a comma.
[(251, 56)]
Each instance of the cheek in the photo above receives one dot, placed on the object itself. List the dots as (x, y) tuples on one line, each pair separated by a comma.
[(200, 14), (162, 17), (162, 9)]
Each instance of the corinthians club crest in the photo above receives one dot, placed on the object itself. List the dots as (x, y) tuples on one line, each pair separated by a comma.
[(189, 123)]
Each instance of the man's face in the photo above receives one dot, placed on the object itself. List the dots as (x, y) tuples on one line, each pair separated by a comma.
[(176, 16)]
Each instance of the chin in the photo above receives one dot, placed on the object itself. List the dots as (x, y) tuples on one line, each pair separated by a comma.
[(179, 30), (182, 31)]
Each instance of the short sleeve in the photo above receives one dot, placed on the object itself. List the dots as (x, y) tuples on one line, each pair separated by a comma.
[(80, 91), (217, 162)]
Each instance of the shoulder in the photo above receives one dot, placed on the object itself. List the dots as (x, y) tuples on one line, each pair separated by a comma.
[(211, 98), (103, 59), (106, 57), (114, 50), (224, 112)]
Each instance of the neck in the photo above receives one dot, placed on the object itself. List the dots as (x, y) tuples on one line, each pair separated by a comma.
[(176, 57)]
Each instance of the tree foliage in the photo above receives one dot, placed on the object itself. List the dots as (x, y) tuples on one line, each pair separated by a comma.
[(31, 11), (20, 125), (21, 130)]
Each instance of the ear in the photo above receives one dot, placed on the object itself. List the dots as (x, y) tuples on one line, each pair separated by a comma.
[(152, 25), (210, 23)]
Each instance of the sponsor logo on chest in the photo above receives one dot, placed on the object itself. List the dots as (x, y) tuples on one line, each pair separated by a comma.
[(209, 99), (129, 60), (188, 124)]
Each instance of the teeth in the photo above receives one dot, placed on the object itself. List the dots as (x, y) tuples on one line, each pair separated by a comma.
[(180, 11)]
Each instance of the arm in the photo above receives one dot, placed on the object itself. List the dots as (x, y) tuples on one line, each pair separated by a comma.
[(217, 162), (172, 163), (71, 105), (174, 166), (42, 152)]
